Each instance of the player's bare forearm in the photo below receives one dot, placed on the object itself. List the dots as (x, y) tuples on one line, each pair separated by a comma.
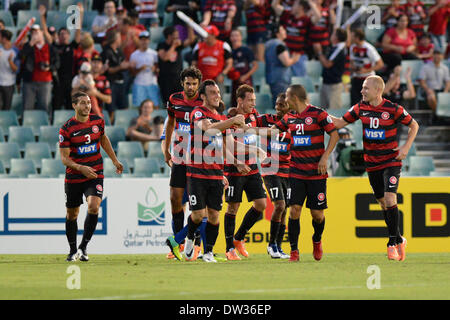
[(339, 122), (412, 133), (67, 161), (334, 138), (106, 145), (169, 131)]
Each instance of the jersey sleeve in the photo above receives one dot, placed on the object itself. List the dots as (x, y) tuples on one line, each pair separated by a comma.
[(197, 115), (352, 114), (326, 122), (402, 116), (64, 138), (170, 110), (282, 124)]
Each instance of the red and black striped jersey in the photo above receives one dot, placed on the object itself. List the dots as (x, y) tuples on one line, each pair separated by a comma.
[(414, 12), (247, 139), (206, 156), (319, 32), (275, 160), (219, 13), (297, 33), (258, 16), (307, 140), (379, 132), (83, 139), (180, 108)]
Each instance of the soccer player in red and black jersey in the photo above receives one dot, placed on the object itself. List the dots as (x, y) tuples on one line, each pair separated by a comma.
[(179, 108), (382, 155), (275, 173), (80, 139), (308, 166), (205, 179), (244, 176)]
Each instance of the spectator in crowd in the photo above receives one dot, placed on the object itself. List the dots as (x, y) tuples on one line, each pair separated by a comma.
[(257, 15), (148, 15), (278, 63), (433, 78), (189, 8), (439, 14), (323, 19), (395, 90), (170, 61), (144, 63), (243, 62), (282, 9), (333, 68), (8, 69), (213, 57), (2, 24), (84, 82), (114, 58), (84, 52), (219, 13), (417, 15), (102, 23), (130, 37), (133, 15), (391, 14), (40, 62), (364, 62), (425, 48), (102, 89), (399, 43), (145, 128)]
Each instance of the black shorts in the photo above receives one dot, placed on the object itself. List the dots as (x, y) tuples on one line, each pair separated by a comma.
[(314, 191), (384, 180), (205, 193), (74, 191), (178, 176), (252, 185), (278, 188)]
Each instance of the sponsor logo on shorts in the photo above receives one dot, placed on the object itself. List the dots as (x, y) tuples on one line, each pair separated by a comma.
[(385, 115)]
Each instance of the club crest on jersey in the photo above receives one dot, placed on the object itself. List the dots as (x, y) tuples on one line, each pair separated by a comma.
[(197, 114), (308, 120), (393, 180), (91, 148), (95, 129), (321, 196), (374, 134), (385, 115)]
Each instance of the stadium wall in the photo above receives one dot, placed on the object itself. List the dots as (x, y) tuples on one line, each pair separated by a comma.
[(135, 217)]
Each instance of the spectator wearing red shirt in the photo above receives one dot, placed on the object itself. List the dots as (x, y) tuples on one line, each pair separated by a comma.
[(416, 12), (391, 14), (257, 13), (437, 26), (219, 13), (425, 48), (399, 44), (102, 90), (40, 62), (213, 57)]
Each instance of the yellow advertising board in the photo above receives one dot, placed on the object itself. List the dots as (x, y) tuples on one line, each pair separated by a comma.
[(354, 221)]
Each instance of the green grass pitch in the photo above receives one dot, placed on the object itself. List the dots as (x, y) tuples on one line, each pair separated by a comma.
[(337, 276)]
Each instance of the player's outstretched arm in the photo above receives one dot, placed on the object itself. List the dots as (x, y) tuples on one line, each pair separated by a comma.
[(412, 133), (106, 145), (339, 122)]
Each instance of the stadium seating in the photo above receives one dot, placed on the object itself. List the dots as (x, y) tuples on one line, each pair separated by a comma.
[(35, 4), (115, 134), (8, 151), (156, 35), (167, 19), (2, 135), (372, 34), (440, 174), (88, 18), (346, 100), (61, 116), (17, 103), (22, 167), (259, 77), (106, 118), (50, 135), (421, 165), (21, 135), (443, 104), (2, 169), (154, 150), (109, 170), (35, 119), (314, 71), (263, 101), (129, 150), (305, 82), (7, 119), (7, 18), (57, 19), (145, 167), (314, 98), (124, 117), (36, 151), (64, 4), (415, 66), (52, 168), (24, 15)]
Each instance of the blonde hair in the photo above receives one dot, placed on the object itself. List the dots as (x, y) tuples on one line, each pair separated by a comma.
[(86, 41), (378, 82)]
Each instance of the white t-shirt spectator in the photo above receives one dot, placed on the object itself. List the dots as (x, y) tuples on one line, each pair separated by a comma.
[(436, 77), (149, 57), (101, 21), (364, 56), (7, 76)]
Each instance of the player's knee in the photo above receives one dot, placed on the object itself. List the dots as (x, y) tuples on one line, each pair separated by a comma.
[(232, 208), (390, 199), (72, 213), (295, 212), (317, 216), (260, 205), (279, 209)]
